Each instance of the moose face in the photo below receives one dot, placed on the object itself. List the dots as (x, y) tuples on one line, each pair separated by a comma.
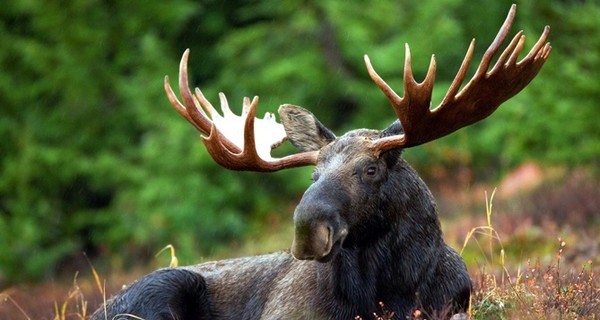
[(340, 208)]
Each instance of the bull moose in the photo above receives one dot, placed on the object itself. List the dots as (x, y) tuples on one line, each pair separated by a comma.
[(367, 229)]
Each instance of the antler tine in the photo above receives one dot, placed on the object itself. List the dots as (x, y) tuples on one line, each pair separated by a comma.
[(418, 95), (385, 88), (480, 97), (226, 147), (203, 105), (541, 49), (189, 102), (224, 104), (497, 43), (460, 75), (180, 108)]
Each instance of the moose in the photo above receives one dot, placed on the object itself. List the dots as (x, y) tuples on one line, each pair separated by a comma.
[(366, 231)]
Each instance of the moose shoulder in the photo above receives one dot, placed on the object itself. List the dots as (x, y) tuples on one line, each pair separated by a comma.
[(365, 232)]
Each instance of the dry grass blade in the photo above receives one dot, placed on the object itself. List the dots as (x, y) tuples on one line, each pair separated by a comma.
[(174, 261), (75, 294), (6, 297)]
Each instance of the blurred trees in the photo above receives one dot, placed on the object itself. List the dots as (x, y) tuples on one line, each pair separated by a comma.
[(92, 158)]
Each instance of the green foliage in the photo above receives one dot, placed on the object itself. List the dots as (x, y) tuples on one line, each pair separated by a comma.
[(93, 160), (79, 77)]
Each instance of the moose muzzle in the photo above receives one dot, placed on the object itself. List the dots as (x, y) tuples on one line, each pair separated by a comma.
[(319, 229)]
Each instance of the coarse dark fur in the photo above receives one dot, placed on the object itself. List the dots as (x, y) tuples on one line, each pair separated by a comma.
[(366, 231)]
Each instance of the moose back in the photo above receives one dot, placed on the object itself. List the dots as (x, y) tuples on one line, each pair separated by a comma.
[(366, 232)]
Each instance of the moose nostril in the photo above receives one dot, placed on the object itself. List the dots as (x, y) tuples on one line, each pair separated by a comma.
[(312, 241), (321, 237), (323, 240)]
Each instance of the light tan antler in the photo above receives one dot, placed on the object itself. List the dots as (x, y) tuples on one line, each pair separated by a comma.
[(235, 142), (477, 100)]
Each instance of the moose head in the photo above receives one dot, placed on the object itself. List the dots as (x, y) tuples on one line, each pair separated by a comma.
[(366, 230)]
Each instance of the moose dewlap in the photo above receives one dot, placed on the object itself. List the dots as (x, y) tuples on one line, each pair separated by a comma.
[(365, 232)]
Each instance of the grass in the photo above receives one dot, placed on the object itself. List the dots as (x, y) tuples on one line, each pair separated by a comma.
[(538, 292), (532, 291), (505, 286), (74, 305)]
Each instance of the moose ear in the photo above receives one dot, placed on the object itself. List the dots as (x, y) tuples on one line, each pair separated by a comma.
[(303, 129), (394, 129), (391, 156)]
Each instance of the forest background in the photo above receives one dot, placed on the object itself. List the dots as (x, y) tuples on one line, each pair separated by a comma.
[(95, 164)]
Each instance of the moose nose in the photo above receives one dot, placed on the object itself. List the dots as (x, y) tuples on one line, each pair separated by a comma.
[(312, 241)]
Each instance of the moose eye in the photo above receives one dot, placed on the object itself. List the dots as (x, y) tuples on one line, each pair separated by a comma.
[(371, 171)]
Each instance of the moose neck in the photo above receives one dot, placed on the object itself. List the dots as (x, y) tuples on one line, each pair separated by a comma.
[(398, 260)]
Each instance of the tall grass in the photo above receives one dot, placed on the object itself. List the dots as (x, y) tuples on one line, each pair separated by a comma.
[(532, 291)]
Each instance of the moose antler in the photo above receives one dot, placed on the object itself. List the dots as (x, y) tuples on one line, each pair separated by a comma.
[(238, 143), (477, 100), (234, 142)]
